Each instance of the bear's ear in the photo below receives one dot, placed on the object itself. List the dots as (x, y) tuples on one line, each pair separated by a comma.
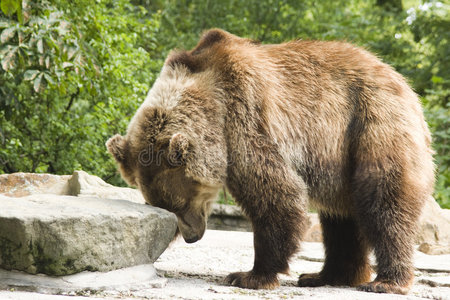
[(179, 148), (184, 58), (209, 38), (192, 60), (117, 146)]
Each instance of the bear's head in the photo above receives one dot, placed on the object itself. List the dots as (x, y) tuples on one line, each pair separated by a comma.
[(174, 149)]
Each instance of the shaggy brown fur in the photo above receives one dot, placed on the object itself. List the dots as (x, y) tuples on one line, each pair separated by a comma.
[(282, 125)]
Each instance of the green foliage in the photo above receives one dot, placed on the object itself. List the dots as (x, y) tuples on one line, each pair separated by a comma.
[(438, 119), (72, 74), (225, 198), (432, 81), (11, 6)]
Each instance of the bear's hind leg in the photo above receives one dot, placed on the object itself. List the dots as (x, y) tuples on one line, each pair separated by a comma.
[(346, 261), (387, 209)]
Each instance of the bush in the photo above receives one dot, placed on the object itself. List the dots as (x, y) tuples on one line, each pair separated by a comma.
[(72, 75)]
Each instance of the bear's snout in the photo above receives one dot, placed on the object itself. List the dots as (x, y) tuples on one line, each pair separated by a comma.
[(192, 226), (192, 240)]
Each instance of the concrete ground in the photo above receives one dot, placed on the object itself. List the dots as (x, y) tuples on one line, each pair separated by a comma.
[(196, 271)]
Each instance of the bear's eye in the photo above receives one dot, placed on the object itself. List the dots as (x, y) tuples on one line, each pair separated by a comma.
[(161, 144)]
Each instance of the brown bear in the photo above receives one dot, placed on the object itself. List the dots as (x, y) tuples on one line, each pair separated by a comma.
[(283, 125)]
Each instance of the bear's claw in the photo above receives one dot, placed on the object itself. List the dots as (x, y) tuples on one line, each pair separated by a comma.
[(249, 280), (385, 286), (310, 280)]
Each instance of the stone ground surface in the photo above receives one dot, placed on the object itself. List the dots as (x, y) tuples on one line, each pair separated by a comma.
[(196, 271)]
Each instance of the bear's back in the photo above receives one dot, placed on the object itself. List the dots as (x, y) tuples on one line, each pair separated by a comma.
[(321, 103)]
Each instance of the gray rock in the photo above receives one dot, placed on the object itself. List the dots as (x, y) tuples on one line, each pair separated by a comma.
[(60, 235), (440, 279), (126, 279), (24, 184), (84, 185), (433, 249), (79, 184), (434, 229), (227, 210), (314, 232), (432, 263), (228, 217), (231, 217), (433, 234)]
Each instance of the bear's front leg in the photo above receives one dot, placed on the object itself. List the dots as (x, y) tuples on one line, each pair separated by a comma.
[(276, 239)]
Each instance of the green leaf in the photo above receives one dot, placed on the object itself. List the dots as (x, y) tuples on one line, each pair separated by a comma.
[(71, 52), (40, 45), (9, 6), (67, 64), (4, 50), (42, 169), (49, 78), (38, 83), (62, 89), (26, 10), (30, 75), (4, 23), (8, 34), (9, 61), (437, 79), (19, 12)]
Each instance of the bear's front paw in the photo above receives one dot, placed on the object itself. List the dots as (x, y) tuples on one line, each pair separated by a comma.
[(310, 280), (384, 286), (249, 280)]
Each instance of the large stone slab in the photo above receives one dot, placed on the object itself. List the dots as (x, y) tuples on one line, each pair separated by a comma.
[(123, 280), (60, 235)]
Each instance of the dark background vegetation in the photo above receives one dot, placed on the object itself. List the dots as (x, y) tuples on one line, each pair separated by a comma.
[(74, 72)]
